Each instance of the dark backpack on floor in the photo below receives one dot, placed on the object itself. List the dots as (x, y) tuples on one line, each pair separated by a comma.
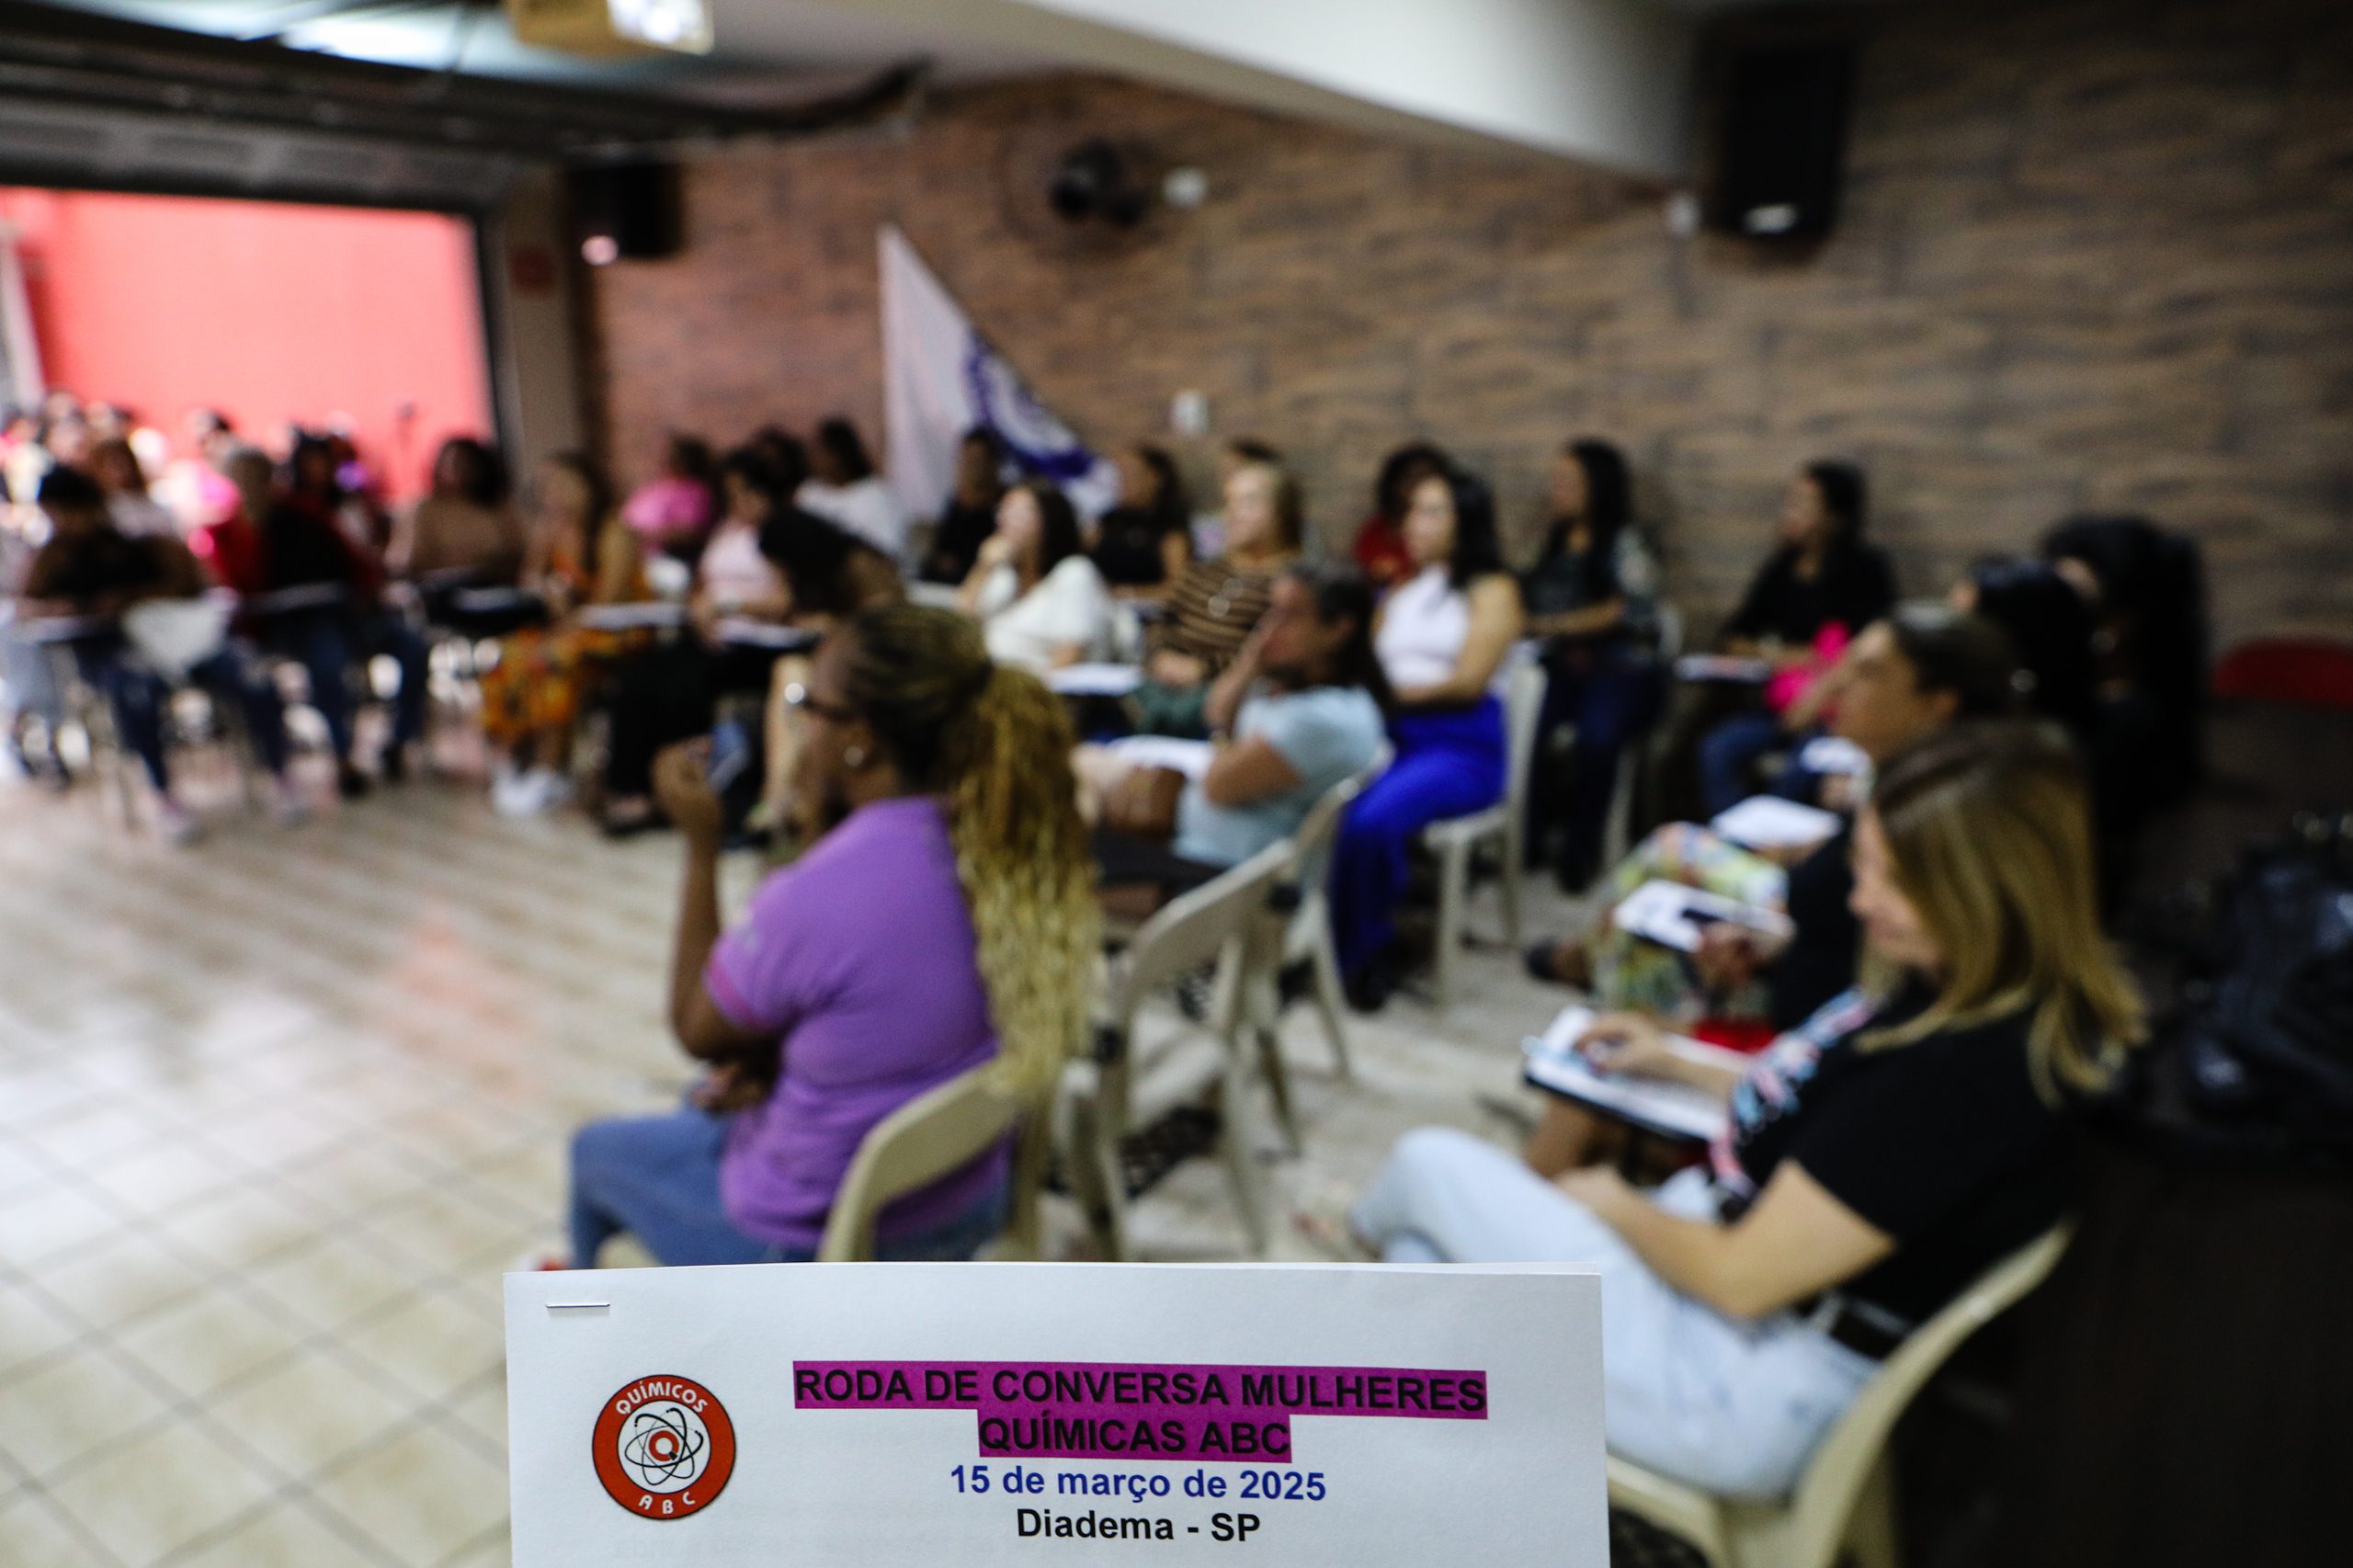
[(2252, 1066)]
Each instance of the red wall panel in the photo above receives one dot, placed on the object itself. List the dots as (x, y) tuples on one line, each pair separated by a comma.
[(272, 313)]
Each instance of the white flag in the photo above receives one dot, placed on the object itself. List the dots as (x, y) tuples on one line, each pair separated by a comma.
[(940, 378)]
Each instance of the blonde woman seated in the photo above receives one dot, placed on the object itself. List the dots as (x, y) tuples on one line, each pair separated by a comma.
[(1041, 602), (1875, 1161)]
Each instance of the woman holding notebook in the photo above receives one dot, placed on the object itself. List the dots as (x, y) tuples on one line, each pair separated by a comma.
[(1872, 1163)]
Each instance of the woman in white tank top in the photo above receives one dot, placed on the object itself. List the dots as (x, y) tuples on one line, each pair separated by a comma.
[(1443, 634)]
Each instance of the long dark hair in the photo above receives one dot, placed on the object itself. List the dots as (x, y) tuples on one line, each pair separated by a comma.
[(1477, 551), (787, 454), (1171, 508), (2050, 628), (840, 441), (310, 445), (757, 473), (1845, 496), (1058, 535), (1609, 506), (484, 477), (1340, 592), (813, 555), (689, 457), (1389, 488)]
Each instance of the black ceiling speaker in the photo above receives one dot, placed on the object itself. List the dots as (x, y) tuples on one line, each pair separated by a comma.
[(1096, 182), (630, 211), (1781, 146)]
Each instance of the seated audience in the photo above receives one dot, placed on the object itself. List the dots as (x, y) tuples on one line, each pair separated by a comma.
[(300, 544), (673, 512), (135, 512), (664, 693), (1145, 542), (581, 555), (466, 528), (845, 490), (1441, 636), (165, 634), (944, 919), (970, 515), (1299, 710), (1874, 1161), (1927, 666), (1821, 586), (1380, 547), (1213, 606), (1589, 595), (1041, 600)]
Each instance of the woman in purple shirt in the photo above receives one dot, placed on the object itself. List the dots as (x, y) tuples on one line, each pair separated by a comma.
[(945, 918)]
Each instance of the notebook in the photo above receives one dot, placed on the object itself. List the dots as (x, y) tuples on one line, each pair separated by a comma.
[(1654, 1105)]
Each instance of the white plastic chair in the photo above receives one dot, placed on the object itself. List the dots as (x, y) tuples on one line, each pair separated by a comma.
[(1456, 841), (1213, 924), (1299, 915), (1845, 1499), (940, 1130)]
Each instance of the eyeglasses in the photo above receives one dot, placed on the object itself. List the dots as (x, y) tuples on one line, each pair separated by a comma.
[(799, 698)]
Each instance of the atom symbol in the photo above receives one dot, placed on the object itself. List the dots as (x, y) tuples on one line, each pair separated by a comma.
[(664, 1447)]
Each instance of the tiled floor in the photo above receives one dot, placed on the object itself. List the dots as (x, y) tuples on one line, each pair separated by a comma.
[(276, 1110)]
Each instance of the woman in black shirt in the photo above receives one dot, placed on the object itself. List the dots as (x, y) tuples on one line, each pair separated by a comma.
[(1145, 542), (970, 516), (1872, 1162), (1823, 575)]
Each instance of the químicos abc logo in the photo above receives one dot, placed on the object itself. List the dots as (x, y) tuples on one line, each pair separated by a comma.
[(664, 1448)]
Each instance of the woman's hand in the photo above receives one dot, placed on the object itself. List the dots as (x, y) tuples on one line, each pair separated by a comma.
[(1600, 1188), (1628, 1042), (732, 1087), (995, 550), (683, 786)]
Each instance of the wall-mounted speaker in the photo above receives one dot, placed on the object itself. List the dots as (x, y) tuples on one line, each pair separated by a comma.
[(629, 210), (1781, 140)]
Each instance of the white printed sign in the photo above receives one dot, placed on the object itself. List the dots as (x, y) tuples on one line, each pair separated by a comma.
[(976, 1413)]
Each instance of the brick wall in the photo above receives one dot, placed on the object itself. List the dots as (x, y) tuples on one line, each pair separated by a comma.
[(2095, 253)]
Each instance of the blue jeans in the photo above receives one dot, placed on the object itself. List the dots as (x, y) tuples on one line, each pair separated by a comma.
[(1727, 755), (657, 1178), (327, 642), (139, 697), (1448, 764), (1609, 697)]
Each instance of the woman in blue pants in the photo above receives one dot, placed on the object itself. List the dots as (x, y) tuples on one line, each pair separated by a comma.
[(1442, 637)]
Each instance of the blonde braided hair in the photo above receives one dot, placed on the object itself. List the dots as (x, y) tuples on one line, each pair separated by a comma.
[(994, 745)]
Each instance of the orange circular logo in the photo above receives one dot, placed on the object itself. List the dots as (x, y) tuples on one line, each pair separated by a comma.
[(664, 1448)]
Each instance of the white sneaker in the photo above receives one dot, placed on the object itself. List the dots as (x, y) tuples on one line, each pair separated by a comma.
[(512, 794), (177, 827), (551, 789)]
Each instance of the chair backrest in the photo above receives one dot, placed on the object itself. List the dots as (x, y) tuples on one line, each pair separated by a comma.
[(1523, 684), (939, 1131), (1834, 1477), (1193, 930)]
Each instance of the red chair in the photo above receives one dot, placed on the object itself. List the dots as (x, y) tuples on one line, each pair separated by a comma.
[(2312, 671)]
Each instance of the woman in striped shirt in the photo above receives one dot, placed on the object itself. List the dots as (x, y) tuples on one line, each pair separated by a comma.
[(1215, 605)]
